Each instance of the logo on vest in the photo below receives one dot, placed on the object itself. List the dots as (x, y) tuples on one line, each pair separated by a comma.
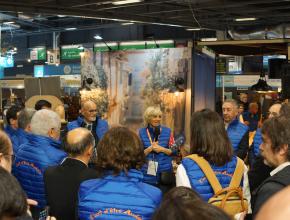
[(112, 211), (25, 163), (225, 173)]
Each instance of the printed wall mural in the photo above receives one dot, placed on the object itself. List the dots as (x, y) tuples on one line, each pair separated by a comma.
[(125, 83)]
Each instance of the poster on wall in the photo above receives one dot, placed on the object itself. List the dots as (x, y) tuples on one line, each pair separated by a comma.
[(125, 83)]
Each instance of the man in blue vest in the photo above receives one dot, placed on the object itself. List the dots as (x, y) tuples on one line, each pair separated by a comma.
[(90, 120), (42, 150), (238, 133)]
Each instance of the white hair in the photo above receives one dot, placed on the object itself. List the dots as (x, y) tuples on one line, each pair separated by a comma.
[(44, 120), (150, 113)]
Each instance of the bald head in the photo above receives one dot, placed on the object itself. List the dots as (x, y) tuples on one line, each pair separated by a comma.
[(274, 110), (89, 111), (277, 207), (78, 141)]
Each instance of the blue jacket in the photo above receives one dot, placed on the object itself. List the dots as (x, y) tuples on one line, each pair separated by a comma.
[(101, 129), (31, 161), (253, 120), (257, 142), (236, 130), (164, 161), (122, 197), (17, 137), (199, 182)]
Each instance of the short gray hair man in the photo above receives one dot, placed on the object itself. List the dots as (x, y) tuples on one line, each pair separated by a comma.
[(46, 123), (24, 118)]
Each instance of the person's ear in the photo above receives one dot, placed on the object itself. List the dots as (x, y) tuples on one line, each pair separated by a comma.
[(28, 128), (90, 150), (51, 133), (12, 121), (283, 150)]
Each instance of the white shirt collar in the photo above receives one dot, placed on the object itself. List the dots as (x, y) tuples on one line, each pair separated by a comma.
[(226, 125), (74, 159), (279, 168)]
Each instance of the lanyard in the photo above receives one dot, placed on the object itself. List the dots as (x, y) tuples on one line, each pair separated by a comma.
[(149, 136)]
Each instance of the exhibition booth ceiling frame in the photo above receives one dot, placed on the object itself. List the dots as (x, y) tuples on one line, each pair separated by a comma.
[(57, 15), (248, 47)]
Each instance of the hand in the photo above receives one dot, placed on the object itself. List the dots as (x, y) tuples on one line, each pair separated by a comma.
[(50, 218), (157, 148), (31, 202)]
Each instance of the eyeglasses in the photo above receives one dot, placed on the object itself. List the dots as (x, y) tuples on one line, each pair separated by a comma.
[(92, 111), (12, 157), (274, 114)]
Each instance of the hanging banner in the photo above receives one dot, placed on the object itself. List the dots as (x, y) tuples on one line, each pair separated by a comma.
[(38, 53), (71, 52)]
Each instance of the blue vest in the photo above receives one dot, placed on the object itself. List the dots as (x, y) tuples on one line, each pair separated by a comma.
[(236, 130), (14, 137), (101, 129), (164, 161), (31, 161), (199, 182), (122, 197), (257, 142)]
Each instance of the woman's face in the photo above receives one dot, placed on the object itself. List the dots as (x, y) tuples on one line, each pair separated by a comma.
[(7, 159), (155, 120)]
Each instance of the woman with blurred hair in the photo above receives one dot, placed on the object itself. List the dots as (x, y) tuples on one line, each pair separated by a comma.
[(119, 193), (157, 141), (13, 201), (182, 203), (209, 140)]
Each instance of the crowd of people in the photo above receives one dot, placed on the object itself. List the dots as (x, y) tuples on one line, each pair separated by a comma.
[(237, 165)]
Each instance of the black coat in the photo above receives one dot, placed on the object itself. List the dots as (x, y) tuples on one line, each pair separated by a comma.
[(62, 184), (269, 187)]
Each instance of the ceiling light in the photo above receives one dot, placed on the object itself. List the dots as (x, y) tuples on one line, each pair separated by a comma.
[(9, 22), (209, 39), (193, 29), (70, 29), (80, 47), (98, 37), (245, 19), (123, 2), (127, 23)]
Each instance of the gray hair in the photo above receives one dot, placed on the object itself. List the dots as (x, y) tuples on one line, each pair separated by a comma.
[(151, 112), (233, 102), (44, 120), (24, 117), (77, 147)]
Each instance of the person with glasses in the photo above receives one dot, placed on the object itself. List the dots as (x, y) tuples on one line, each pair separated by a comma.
[(6, 152), (89, 119)]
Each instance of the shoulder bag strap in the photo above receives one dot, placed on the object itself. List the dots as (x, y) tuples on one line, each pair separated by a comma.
[(238, 174), (208, 172)]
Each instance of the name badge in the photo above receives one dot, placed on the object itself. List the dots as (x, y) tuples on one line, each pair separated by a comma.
[(152, 167)]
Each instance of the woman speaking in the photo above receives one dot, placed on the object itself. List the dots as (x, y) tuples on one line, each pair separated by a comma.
[(157, 141)]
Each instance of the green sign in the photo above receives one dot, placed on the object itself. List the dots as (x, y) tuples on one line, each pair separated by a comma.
[(103, 48), (70, 53), (38, 54)]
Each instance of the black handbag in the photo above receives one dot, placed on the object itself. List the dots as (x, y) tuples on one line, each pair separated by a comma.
[(167, 178)]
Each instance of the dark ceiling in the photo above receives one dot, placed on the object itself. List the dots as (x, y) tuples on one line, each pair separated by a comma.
[(32, 16)]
